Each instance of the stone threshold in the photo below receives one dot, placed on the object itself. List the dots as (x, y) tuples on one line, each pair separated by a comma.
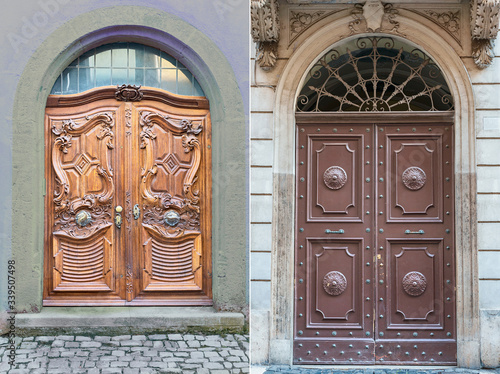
[(342, 369), (127, 320)]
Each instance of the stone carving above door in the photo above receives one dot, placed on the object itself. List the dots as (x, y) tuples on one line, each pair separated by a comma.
[(265, 29)]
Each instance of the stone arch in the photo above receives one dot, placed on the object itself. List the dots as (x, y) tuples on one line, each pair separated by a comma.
[(319, 40), (204, 59)]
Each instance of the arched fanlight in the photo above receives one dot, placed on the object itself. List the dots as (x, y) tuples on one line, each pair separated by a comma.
[(126, 63), (374, 74)]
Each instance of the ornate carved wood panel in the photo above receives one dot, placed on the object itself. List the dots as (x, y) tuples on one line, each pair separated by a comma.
[(374, 272), (128, 200)]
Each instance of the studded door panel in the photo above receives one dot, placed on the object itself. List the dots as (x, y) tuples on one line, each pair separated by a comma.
[(374, 285), (415, 272), (334, 244)]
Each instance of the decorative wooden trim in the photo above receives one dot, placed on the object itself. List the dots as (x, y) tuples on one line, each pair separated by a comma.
[(392, 117), (109, 92)]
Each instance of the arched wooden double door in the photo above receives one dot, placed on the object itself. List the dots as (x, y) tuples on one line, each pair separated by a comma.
[(128, 198)]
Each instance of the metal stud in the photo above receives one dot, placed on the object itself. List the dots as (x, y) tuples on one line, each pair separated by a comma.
[(334, 333), (335, 130), (414, 129), (448, 281), (447, 231), (334, 345), (301, 196), (448, 316), (301, 298), (381, 316), (447, 179), (440, 353), (300, 314), (350, 333), (447, 213), (350, 345), (302, 162), (300, 359), (447, 146), (448, 334), (301, 263), (381, 359), (380, 213), (317, 345), (381, 281), (448, 299), (367, 230), (367, 264), (301, 246), (415, 346), (381, 333), (302, 179), (432, 360), (381, 264), (398, 130), (366, 346), (300, 332), (390, 353), (448, 264), (325, 352), (316, 359), (381, 129), (301, 229), (368, 333), (381, 248), (368, 162), (367, 247), (367, 130), (398, 346), (367, 180), (318, 130), (380, 196), (415, 334), (415, 359), (300, 345), (381, 179), (381, 146), (368, 146), (351, 130), (381, 346), (398, 334), (367, 196), (447, 247), (302, 130), (367, 212), (341, 352), (430, 129), (368, 281), (407, 353), (432, 334), (447, 162), (317, 333), (381, 163), (308, 352), (359, 353), (301, 280), (381, 230), (368, 316), (350, 359), (381, 299), (301, 147), (447, 196)]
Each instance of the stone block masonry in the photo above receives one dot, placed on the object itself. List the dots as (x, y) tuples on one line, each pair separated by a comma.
[(129, 354)]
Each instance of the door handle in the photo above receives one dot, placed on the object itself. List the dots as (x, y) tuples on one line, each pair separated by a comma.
[(328, 231), (421, 232), (136, 211), (118, 216)]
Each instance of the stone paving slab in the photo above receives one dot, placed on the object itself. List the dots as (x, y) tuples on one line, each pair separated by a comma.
[(374, 370), (128, 354)]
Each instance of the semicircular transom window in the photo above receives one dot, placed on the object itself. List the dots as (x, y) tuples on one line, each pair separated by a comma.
[(375, 74), (126, 63)]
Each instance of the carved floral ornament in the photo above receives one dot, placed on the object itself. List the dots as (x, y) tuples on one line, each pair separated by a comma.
[(484, 29), (265, 29)]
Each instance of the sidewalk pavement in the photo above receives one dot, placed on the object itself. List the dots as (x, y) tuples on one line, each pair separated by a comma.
[(128, 354)]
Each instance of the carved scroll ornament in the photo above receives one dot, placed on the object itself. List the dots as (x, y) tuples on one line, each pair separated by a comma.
[(127, 92), (265, 31), (484, 29)]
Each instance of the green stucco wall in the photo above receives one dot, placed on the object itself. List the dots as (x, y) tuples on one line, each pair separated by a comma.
[(209, 64)]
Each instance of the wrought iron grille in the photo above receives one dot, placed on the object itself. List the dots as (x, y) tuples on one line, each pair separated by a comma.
[(375, 74)]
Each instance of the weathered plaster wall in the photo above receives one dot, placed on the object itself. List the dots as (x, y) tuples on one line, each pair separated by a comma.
[(40, 38), (486, 86)]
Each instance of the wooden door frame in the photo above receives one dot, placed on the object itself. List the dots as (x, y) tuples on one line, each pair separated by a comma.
[(282, 272)]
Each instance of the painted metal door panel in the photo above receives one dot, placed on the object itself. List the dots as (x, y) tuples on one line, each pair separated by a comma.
[(374, 285), (128, 203)]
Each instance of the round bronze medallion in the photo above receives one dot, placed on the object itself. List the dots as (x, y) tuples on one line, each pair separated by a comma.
[(171, 217), (414, 178), (83, 218), (334, 283), (414, 283), (335, 177)]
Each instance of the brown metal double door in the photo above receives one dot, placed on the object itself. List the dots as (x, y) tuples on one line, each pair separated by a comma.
[(374, 273), (128, 201)]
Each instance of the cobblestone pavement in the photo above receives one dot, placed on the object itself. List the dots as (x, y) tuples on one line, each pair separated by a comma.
[(128, 354), (374, 370)]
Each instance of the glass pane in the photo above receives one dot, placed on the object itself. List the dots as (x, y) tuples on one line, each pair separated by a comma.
[(151, 57), (56, 88), (167, 61), (87, 59), (168, 80), (102, 77), (86, 77), (184, 82), (152, 77), (119, 55), (198, 91), (103, 56), (119, 77), (136, 55), (136, 76), (70, 81)]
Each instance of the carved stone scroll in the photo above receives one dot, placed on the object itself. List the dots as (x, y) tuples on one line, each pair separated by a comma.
[(127, 92), (484, 30), (265, 31)]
